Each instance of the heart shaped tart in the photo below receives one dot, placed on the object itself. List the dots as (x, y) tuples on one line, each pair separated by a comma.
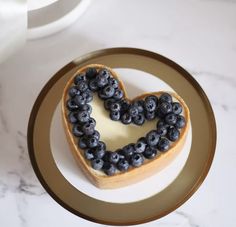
[(144, 156)]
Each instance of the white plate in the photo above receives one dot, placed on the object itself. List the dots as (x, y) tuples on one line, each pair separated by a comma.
[(68, 167)]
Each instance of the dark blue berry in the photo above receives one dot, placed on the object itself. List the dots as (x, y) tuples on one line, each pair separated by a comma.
[(114, 157), (97, 164), (115, 107), (108, 91), (82, 142), (163, 144), (149, 115), (124, 106), (113, 82), (128, 150), (91, 73), (180, 122), (123, 165), (92, 141), (126, 119), (115, 116), (161, 123), (99, 152), (88, 128), (82, 86), (153, 97), (119, 94), (150, 153), (86, 108), (139, 119), (88, 154), (93, 85), (176, 108), (120, 152), (136, 160), (73, 91), (101, 79), (80, 77), (102, 145), (139, 147), (92, 121), (170, 118), (161, 130), (108, 102), (72, 117), (71, 105), (104, 73), (101, 95), (80, 100), (165, 108), (83, 116), (165, 97), (139, 104), (77, 131), (87, 95), (173, 134), (109, 168), (152, 138), (149, 104), (133, 111), (96, 134)]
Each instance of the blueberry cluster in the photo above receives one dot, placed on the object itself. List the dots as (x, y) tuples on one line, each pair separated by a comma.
[(136, 112)]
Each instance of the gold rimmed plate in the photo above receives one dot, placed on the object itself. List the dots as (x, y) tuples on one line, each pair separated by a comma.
[(165, 201)]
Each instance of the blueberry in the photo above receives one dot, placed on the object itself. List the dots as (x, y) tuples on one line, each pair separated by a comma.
[(180, 123), (170, 118), (72, 117), (80, 77), (150, 115), (97, 164), (86, 108), (93, 85), (73, 91), (87, 95), (102, 145), (91, 73), (105, 73), (96, 134), (92, 121), (88, 154), (161, 123), (109, 168), (159, 113), (115, 107), (108, 91), (114, 157), (176, 108), (71, 105), (123, 165), (120, 153), (152, 138), (153, 97), (173, 134), (83, 116), (88, 128), (149, 104), (161, 130), (124, 105), (165, 108), (136, 160), (118, 94), (99, 152), (143, 140), (82, 86), (92, 141), (139, 147), (102, 79), (165, 97), (115, 116), (133, 111), (113, 82), (128, 150), (163, 144), (108, 102), (80, 100), (126, 119), (82, 142), (139, 104), (77, 131), (101, 95), (150, 153), (139, 119)]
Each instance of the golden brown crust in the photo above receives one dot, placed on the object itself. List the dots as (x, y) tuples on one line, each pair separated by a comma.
[(133, 174)]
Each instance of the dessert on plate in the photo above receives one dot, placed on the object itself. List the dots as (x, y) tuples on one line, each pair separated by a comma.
[(95, 94)]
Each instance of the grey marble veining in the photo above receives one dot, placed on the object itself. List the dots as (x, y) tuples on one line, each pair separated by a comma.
[(200, 35)]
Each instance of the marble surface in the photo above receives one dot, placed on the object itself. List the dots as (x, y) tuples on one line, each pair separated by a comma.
[(200, 35)]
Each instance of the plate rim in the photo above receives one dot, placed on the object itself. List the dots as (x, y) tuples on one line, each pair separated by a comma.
[(100, 53)]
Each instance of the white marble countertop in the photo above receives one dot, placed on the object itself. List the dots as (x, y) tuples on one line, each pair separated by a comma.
[(200, 35)]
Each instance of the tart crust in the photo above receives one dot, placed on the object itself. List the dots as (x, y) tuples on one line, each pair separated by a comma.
[(133, 175)]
